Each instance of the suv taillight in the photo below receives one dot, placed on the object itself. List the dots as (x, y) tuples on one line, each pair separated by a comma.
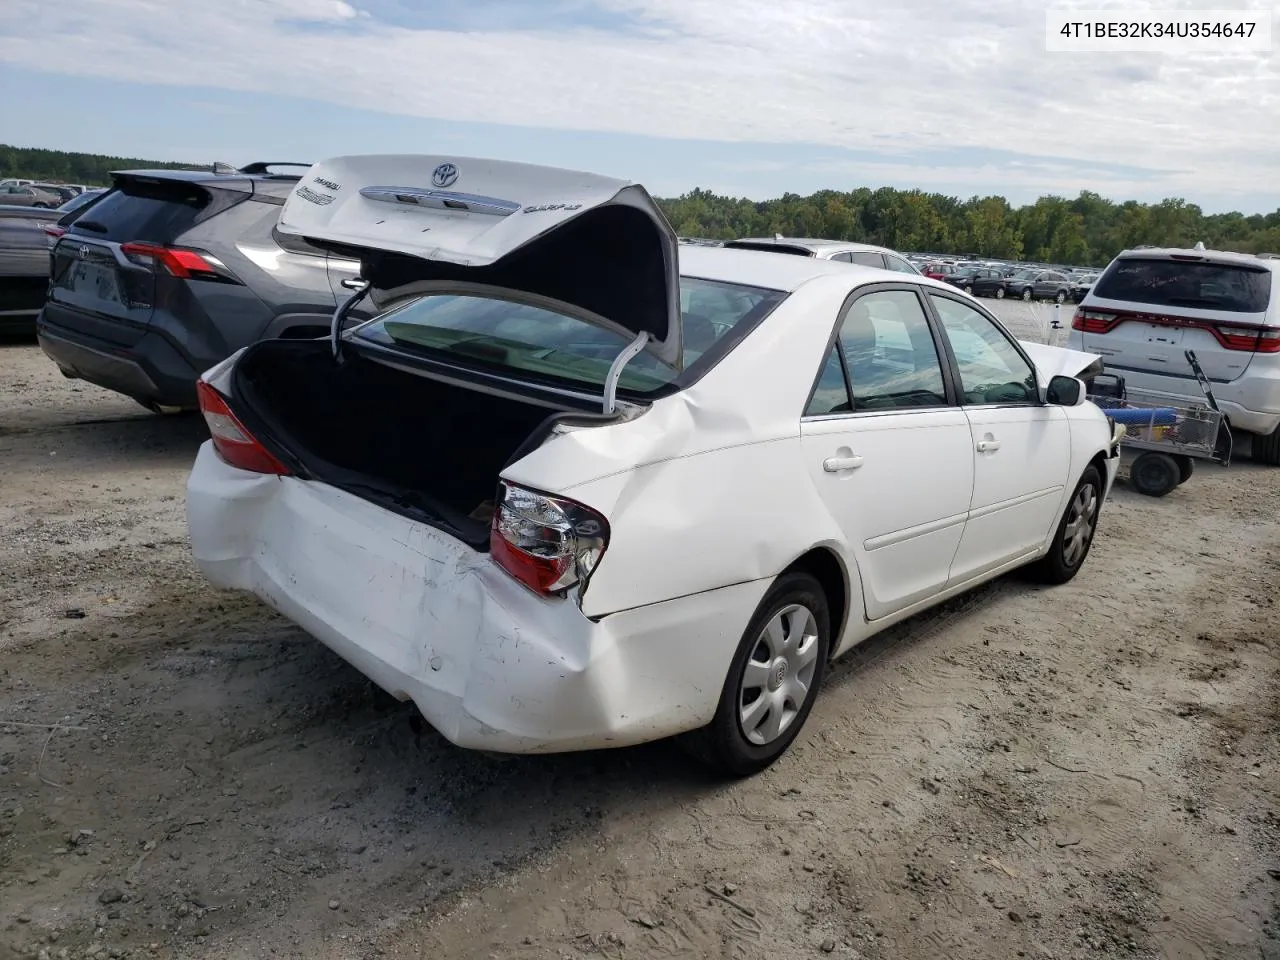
[(547, 543), (235, 445), (1252, 339), (184, 264), (1093, 321), (52, 231)]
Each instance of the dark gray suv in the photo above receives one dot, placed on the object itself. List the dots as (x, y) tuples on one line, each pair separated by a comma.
[(172, 271)]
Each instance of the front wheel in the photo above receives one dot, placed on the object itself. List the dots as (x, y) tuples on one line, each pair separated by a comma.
[(1026, 294), (968, 288), (1075, 532), (772, 682), (1061, 297), (999, 293)]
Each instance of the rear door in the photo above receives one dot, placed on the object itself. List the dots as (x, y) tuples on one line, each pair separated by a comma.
[(98, 266), (1142, 314), (888, 451)]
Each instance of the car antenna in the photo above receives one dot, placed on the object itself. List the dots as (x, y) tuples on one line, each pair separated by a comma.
[(223, 169), (1199, 244)]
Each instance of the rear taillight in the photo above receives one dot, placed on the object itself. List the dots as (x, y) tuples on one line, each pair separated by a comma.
[(53, 232), (547, 543), (184, 264), (236, 445), (1093, 321), (1252, 339)]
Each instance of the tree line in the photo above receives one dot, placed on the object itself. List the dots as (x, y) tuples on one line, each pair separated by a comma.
[(1087, 230), (61, 166)]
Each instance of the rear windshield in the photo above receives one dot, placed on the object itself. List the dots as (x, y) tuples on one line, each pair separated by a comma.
[(1179, 283), (138, 214), (561, 348)]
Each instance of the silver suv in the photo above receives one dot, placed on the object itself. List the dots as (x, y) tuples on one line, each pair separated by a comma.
[(1152, 305)]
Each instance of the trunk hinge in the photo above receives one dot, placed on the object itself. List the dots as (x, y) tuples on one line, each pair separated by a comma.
[(339, 315), (615, 370)]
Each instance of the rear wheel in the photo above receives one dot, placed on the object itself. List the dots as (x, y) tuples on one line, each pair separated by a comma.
[(772, 681), (1154, 474), (999, 293), (1075, 532), (1267, 449), (1026, 294), (1061, 297)]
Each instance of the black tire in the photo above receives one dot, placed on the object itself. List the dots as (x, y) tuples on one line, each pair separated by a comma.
[(968, 288), (722, 744), (1061, 297), (1154, 474), (1186, 467), (1000, 293), (41, 206), (1060, 564), (1026, 294), (1266, 449)]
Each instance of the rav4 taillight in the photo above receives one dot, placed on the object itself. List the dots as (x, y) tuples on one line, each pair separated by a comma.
[(547, 543), (184, 264), (235, 445), (1093, 321), (52, 231)]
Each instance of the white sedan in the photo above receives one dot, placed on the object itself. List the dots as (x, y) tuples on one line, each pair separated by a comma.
[(575, 486)]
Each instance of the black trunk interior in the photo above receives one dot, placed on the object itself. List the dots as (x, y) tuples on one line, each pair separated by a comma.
[(427, 449)]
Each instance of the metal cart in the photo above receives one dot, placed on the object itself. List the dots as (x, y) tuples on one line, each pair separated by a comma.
[(1169, 432)]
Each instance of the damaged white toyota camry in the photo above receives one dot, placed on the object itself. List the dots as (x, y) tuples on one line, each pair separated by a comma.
[(574, 486)]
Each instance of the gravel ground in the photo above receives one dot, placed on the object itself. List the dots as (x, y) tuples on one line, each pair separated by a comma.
[(1078, 772)]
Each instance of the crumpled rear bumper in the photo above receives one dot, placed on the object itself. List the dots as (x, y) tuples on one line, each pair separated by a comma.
[(490, 664)]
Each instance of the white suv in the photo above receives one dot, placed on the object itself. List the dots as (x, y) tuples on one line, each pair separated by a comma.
[(1152, 305)]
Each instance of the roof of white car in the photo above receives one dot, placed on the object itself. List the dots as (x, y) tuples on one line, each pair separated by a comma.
[(762, 269), (814, 244), (1213, 256)]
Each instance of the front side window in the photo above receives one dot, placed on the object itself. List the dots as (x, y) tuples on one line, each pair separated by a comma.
[(991, 369), (889, 353), (558, 347)]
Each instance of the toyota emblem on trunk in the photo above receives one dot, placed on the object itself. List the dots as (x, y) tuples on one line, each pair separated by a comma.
[(444, 175)]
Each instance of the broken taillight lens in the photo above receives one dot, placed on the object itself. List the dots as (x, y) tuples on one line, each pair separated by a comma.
[(547, 543), (234, 444)]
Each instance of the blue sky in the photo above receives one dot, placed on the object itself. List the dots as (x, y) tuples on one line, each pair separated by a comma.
[(750, 98)]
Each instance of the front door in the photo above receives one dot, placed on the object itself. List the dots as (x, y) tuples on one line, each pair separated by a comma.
[(1021, 448), (889, 452)]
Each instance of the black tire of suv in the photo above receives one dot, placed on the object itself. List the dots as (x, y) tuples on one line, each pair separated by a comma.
[(721, 744), (1266, 449)]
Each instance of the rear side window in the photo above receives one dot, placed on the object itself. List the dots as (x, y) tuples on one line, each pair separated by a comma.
[(867, 258), (1181, 283), (558, 347), (152, 217)]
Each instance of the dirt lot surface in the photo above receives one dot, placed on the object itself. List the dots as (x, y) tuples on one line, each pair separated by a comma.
[(1078, 772)]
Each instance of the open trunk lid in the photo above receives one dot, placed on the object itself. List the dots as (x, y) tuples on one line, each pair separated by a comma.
[(598, 246)]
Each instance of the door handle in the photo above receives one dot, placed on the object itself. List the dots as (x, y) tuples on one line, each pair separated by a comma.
[(836, 464), (353, 283), (988, 446)]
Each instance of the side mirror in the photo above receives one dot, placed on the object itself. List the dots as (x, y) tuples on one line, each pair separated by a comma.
[(1065, 392)]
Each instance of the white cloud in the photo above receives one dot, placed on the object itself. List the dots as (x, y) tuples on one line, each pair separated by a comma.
[(920, 75)]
